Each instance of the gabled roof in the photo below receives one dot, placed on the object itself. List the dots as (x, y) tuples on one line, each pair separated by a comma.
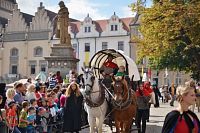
[(52, 15), (27, 17), (3, 21), (75, 27), (126, 22), (101, 24)]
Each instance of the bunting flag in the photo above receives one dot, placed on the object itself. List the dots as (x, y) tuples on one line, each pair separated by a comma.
[(144, 78), (142, 72), (87, 58), (149, 74), (166, 72)]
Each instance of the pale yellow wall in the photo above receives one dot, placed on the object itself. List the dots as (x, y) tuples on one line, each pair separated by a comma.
[(26, 53)]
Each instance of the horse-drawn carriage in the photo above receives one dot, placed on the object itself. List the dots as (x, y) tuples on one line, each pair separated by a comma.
[(122, 97), (119, 58)]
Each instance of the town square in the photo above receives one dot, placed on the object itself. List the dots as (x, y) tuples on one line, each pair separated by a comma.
[(91, 66)]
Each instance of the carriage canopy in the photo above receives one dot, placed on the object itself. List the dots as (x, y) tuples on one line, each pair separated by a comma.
[(119, 58)]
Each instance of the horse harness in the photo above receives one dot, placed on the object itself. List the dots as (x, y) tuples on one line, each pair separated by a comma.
[(88, 99), (123, 105)]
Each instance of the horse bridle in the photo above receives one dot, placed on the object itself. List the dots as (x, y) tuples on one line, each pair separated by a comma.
[(89, 85), (122, 88), (88, 100), (123, 105)]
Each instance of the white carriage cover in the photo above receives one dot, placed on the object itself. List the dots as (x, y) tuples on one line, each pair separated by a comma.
[(119, 58)]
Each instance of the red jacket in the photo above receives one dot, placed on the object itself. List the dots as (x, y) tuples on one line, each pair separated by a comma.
[(145, 92), (110, 64)]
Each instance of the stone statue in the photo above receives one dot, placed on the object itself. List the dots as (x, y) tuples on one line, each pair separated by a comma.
[(61, 22)]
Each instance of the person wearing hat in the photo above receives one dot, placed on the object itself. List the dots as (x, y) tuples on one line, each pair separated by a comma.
[(108, 69), (12, 117)]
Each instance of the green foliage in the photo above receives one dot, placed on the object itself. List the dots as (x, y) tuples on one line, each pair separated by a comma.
[(171, 35)]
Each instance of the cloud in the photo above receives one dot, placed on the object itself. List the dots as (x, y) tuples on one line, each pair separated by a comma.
[(28, 6), (78, 9), (126, 12)]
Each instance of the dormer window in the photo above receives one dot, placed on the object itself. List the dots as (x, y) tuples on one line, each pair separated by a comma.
[(88, 29), (113, 28)]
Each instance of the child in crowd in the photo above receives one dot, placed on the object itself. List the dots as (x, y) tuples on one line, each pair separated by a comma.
[(30, 94), (23, 122), (33, 103), (10, 93), (3, 124), (72, 76), (31, 119), (121, 71), (41, 121), (12, 117)]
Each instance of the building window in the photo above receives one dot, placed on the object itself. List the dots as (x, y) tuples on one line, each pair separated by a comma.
[(104, 45), (43, 68), (38, 51), (87, 29), (114, 28), (14, 52), (32, 69), (14, 69), (121, 45), (87, 47)]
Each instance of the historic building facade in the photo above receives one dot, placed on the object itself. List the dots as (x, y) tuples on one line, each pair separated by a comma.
[(26, 39)]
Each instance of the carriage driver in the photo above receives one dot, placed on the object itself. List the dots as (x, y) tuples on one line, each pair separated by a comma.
[(108, 70)]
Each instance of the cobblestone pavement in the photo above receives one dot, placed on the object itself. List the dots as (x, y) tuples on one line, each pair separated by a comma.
[(157, 116)]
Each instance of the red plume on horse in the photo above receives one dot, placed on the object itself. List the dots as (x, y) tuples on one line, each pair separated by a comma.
[(124, 105)]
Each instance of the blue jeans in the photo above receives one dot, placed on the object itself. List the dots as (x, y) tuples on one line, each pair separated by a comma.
[(16, 130), (22, 129), (31, 130)]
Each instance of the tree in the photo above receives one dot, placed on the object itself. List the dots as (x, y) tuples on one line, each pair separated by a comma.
[(171, 36)]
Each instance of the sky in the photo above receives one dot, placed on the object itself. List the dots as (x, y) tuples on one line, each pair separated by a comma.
[(78, 9)]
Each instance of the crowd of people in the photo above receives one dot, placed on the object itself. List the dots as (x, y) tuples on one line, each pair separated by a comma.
[(36, 107)]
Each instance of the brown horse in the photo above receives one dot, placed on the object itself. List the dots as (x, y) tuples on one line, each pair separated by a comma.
[(124, 105)]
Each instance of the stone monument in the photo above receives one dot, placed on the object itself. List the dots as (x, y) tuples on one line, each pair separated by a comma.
[(62, 56)]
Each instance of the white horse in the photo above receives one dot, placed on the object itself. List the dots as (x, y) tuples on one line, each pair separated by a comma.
[(95, 101)]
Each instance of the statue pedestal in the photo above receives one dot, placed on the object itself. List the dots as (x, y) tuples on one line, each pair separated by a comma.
[(61, 59)]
